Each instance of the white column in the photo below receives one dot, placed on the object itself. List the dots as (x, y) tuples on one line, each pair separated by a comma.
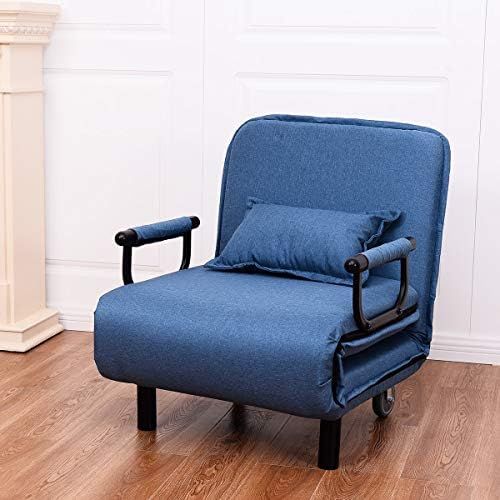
[(25, 320)]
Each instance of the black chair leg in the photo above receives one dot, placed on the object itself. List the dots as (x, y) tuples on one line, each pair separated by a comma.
[(238, 417), (146, 408), (329, 444)]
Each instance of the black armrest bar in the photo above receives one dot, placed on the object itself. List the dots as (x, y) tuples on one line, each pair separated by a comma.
[(130, 238), (359, 263)]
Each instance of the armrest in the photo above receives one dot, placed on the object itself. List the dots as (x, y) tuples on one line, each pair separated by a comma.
[(153, 233), (398, 249), (159, 231)]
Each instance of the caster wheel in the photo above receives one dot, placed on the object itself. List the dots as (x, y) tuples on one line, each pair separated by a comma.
[(384, 403)]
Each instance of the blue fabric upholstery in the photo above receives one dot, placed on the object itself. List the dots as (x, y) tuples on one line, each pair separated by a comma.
[(349, 165), (389, 380), (356, 369), (304, 242), (276, 341), (164, 230), (256, 339), (388, 252)]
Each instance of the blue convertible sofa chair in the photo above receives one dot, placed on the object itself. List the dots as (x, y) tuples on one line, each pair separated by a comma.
[(281, 342)]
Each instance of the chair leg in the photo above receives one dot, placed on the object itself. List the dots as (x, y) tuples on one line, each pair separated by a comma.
[(329, 444), (146, 408)]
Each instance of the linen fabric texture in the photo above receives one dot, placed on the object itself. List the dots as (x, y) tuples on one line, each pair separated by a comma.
[(256, 339), (163, 230), (276, 341), (305, 242), (393, 250)]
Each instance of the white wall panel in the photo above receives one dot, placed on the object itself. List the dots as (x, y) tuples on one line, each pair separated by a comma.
[(132, 13), (356, 14), (485, 321), (422, 99), (101, 116), (124, 134)]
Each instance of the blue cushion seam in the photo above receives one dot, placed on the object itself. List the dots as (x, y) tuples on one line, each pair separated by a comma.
[(295, 272), (357, 122)]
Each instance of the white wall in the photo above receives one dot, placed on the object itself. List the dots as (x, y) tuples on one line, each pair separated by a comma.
[(484, 333), (143, 97), (124, 90)]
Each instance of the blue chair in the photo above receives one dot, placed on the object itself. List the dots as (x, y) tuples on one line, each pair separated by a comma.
[(302, 347)]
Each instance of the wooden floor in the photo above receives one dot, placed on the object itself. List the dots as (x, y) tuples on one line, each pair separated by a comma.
[(66, 432)]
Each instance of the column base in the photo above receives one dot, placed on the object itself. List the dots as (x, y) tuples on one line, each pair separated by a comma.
[(28, 333)]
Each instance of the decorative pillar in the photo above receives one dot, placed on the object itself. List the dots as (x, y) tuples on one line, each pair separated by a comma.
[(25, 320)]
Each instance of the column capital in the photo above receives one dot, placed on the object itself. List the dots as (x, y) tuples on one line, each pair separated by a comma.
[(26, 22)]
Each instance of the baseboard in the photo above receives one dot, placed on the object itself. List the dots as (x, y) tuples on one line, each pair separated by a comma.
[(75, 319), (29, 332), (484, 350)]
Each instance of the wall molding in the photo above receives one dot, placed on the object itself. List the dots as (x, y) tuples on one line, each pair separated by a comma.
[(117, 16), (77, 319), (25, 22), (259, 16), (86, 264), (465, 349), (28, 29)]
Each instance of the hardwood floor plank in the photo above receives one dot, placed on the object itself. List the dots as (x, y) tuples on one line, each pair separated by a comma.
[(16, 453), (73, 461), (373, 454), (375, 445), (465, 376), (414, 393), (16, 403), (272, 481), (296, 444), (136, 476), (341, 485), (68, 340), (224, 458), (11, 363), (413, 489), (41, 414), (184, 422), (79, 406), (22, 418), (47, 371), (449, 438), (486, 468)]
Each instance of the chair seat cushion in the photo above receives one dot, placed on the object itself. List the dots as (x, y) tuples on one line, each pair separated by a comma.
[(256, 339)]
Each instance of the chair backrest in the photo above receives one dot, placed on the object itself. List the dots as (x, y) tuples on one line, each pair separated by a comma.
[(351, 165)]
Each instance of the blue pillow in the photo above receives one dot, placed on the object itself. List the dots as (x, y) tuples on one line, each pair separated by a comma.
[(305, 242)]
